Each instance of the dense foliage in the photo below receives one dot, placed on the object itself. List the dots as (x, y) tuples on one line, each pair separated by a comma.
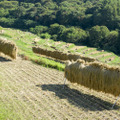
[(90, 22)]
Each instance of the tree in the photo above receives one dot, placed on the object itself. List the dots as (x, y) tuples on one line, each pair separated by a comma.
[(39, 29), (74, 35), (111, 41), (97, 35)]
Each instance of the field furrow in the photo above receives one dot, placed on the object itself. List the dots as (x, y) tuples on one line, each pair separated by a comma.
[(36, 93)]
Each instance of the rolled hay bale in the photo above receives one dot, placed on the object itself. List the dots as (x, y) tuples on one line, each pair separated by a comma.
[(8, 48), (94, 75), (60, 55)]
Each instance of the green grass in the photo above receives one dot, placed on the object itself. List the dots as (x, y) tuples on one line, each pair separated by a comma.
[(98, 54), (116, 62), (82, 49), (41, 42), (106, 57), (5, 35), (44, 61), (71, 46), (25, 48), (39, 60), (61, 44), (24, 42), (7, 112), (90, 51)]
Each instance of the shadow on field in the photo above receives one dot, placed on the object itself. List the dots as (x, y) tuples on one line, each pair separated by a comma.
[(77, 98), (2, 59)]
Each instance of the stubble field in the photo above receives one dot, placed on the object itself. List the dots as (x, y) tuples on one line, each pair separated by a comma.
[(32, 92)]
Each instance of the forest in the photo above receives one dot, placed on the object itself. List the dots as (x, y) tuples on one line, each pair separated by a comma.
[(94, 23)]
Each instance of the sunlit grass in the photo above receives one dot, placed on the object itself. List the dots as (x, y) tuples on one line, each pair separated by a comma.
[(25, 49), (24, 42)]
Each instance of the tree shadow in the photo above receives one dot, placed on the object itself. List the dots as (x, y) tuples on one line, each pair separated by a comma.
[(77, 98), (3, 59)]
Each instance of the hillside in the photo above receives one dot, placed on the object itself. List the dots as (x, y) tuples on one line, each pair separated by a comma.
[(89, 22), (37, 40), (26, 40)]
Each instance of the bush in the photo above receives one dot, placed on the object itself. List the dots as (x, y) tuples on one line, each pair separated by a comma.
[(97, 35), (7, 22), (54, 37), (56, 29), (74, 35), (29, 23), (39, 29), (45, 36), (111, 41)]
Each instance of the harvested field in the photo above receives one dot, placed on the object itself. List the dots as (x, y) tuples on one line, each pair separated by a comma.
[(36, 93)]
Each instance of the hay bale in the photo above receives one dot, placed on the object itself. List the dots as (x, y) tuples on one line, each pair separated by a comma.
[(8, 48), (60, 55), (94, 75), (54, 54)]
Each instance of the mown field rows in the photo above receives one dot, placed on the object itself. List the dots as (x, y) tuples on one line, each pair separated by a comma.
[(32, 92)]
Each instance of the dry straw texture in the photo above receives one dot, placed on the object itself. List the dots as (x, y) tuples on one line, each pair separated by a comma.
[(8, 48), (95, 76), (60, 55)]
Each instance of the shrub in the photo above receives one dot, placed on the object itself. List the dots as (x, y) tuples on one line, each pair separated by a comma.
[(39, 29), (74, 35), (111, 41), (45, 36), (54, 37), (97, 35)]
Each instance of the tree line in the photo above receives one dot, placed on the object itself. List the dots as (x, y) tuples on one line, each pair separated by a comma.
[(88, 22)]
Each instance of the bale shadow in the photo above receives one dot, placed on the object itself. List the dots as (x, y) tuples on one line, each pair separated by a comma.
[(3, 59), (77, 98)]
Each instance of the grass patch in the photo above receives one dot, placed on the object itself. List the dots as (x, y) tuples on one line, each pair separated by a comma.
[(7, 113), (61, 44), (25, 49), (81, 49), (71, 46), (24, 42), (41, 42), (98, 54), (90, 51), (44, 61), (6, 35), (0, 85), (106, 57)]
